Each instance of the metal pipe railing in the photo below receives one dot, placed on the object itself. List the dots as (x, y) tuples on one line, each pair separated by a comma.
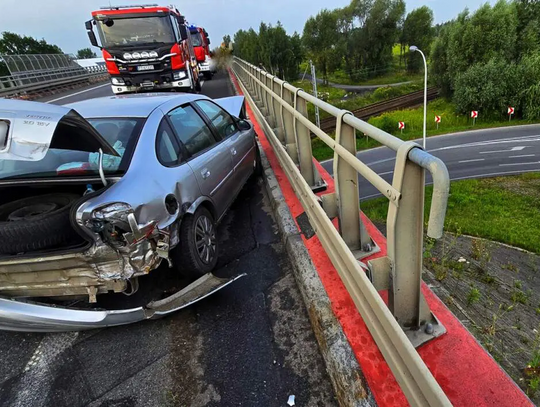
[(407, 320)]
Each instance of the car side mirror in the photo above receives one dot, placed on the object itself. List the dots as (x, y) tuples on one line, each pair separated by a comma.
[(4, 130), (244, 125)]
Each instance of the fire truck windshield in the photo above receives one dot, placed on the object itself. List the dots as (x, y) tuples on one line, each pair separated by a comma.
[(196, 39), (136, 31)]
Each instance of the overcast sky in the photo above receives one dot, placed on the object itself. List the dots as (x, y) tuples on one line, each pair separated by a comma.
[(61, 22)]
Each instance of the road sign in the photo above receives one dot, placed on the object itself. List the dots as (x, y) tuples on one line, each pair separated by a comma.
[(437, 119), (510, 110), (474, 114), (401, 125)]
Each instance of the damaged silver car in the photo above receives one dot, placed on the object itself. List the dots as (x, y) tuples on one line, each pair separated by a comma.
[(95, 194)]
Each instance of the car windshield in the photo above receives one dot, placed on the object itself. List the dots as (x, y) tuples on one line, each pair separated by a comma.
[(196, 39), (136, 31), (122, 134)]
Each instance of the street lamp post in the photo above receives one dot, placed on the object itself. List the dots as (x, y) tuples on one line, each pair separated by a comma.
[(414, 48)]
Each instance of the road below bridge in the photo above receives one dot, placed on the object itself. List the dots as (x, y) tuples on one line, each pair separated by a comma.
[(472, 154), (250, 344)]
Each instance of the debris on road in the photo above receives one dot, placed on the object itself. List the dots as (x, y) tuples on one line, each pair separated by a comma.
[(290, 402)]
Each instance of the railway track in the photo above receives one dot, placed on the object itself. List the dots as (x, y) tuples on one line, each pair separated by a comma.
[(364, 113)]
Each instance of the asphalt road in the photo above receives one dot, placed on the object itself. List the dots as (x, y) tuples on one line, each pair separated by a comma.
[(250, 344), (472, 154)]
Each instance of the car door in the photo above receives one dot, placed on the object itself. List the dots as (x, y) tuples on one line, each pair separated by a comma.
[(209, 157), (242, 143)]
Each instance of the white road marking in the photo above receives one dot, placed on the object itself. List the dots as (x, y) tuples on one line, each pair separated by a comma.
[(77, 93), (493, 174), (506, 165), (520, 156), (471, 161), (519, 148), (385, 173)]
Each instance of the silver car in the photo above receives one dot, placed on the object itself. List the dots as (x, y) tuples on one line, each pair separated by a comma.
[(98, 193)]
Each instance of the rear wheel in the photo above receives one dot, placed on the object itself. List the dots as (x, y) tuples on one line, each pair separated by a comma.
[(197, 253)]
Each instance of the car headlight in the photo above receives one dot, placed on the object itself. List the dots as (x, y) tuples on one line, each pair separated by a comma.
[(136, 55), (145, 54), (127, 56), (117, 81), (153, 54), (179, 75)]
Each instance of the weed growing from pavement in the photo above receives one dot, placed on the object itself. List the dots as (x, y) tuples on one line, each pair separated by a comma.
[(474, 295), (532, 371), (518, 295)]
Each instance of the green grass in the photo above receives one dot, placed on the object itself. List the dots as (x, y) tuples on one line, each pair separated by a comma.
[(387, 76), (452, 122), (503, 209)]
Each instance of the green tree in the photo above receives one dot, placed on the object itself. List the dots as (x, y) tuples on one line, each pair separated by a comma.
[(417, 30), (13, 44), (86, 53), (320, 38), (227, 40)]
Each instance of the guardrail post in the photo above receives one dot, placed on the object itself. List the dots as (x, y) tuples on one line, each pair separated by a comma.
[(351, 226), (405, 231), (304, 142), (278, 119), (288, 125)]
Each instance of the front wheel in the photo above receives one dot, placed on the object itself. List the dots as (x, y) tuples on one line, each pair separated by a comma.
[(197, 253)]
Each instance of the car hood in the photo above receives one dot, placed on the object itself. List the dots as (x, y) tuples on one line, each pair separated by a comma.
[(232, 104), (29, 129)]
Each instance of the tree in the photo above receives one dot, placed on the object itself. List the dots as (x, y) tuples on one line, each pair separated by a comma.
[(86, 53), (227, 40), (320, 38), (417, 30), (14, 44)]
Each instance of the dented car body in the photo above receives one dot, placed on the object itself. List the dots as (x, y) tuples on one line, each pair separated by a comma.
[(97, 194)]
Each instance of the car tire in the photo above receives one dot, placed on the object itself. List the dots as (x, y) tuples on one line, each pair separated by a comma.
[(198, 86), (258, 169), (37, 223), (197, 252)]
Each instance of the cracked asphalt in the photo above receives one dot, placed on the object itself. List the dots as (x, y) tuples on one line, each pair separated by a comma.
[(250, 344)]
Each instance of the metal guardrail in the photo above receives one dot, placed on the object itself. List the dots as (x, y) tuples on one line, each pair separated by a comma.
[(40, 80), (401, 102), (407, 321)]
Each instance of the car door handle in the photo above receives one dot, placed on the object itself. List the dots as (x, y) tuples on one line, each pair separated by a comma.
[(233, 151), (205, 173)]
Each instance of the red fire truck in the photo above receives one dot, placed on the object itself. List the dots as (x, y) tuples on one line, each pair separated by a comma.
[(146, 48), (201, 44)]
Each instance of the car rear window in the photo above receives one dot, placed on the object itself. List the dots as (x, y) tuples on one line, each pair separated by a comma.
[(121, 133)]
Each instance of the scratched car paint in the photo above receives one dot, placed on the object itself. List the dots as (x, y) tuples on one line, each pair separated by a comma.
[(101, 192)]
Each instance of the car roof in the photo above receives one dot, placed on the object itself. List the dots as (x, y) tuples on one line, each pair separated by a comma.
[(134, 105)]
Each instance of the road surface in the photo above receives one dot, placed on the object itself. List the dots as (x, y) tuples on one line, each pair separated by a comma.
[(472, 154), (250, 344)]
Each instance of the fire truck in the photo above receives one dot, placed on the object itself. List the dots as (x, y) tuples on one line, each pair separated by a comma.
[(146, 48), (201, 44)]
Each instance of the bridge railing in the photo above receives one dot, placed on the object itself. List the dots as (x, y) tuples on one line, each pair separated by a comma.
[(407, 320)]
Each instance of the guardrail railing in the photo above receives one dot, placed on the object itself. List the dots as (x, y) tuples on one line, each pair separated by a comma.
[(407, 321), (37, 80)]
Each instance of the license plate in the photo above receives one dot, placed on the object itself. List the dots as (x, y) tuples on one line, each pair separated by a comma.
[(145, 68)]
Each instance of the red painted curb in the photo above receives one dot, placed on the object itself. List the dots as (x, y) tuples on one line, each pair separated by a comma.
[(465, 371)]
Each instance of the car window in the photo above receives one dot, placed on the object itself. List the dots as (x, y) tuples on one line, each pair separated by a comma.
[(222, 120), (191, 129), (121, 133), (168, 149)]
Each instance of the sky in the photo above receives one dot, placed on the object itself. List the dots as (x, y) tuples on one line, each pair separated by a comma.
[(61, 22)]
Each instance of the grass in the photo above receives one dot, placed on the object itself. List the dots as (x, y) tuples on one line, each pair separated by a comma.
[(388, 76), (451, 122), (503, 209)]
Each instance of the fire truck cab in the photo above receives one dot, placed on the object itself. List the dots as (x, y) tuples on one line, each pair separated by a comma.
[(146, 48), (201, 44)]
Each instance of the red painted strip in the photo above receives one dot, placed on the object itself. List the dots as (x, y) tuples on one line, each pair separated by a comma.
[(466, 372)]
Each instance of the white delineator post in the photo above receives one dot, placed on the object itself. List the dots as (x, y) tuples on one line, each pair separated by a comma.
[(415, 48)]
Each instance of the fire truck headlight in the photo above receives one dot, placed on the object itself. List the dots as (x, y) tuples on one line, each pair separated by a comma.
[(153, 54), (145, 54), (117, 81), (136, 55), (179, 75), (127, 56)]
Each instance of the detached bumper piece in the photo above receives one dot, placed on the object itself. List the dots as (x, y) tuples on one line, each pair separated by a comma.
[(25, 316)]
